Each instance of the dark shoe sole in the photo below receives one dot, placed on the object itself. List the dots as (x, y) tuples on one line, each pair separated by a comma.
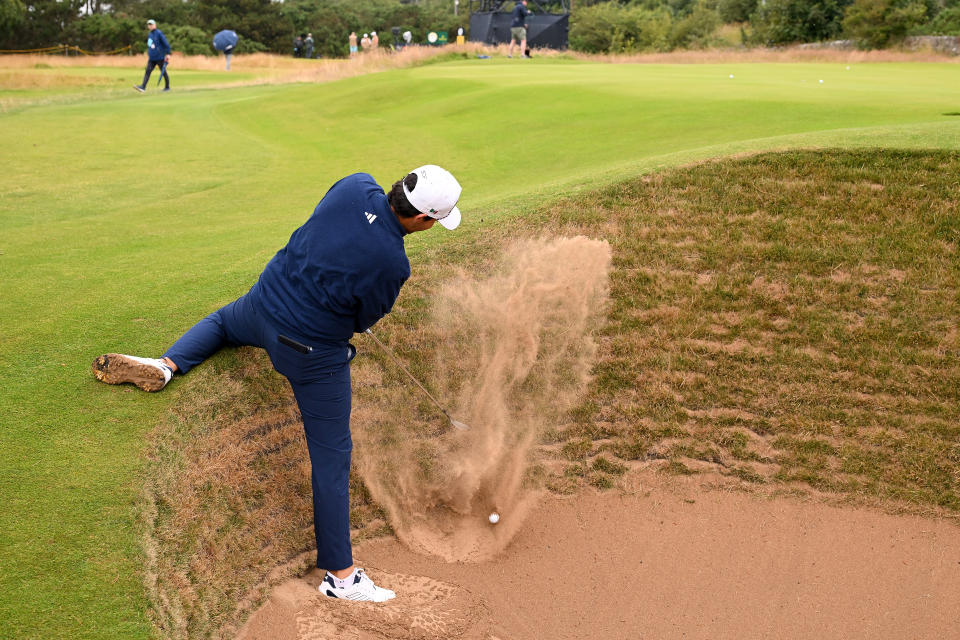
[(116, 368)]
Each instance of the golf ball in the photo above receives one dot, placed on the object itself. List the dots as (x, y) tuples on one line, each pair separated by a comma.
[(731, 75), (821, 82), (494, 518)]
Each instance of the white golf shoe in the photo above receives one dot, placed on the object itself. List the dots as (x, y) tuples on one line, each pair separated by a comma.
[(149, 374), (361, 588)]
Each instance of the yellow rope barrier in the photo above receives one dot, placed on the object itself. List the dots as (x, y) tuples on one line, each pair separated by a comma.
[(103, 53), (65, 48), (44, 50)]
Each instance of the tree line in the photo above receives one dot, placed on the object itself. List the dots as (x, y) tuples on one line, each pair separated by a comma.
[(263, 25), (596, 26), (632, 26)]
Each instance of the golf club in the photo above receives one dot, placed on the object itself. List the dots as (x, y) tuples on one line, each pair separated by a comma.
[(389, 352)]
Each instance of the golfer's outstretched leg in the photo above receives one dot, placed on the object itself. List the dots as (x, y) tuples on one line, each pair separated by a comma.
[(233, 325), (325, 408)]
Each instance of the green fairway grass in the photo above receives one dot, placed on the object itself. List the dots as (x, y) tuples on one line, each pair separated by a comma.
[(124, 218)]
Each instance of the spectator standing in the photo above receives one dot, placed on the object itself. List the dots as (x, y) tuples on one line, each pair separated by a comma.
[(353, 43), (365, 42), (158, 55), (518, 28), (308, 46), (374, 40), (298, 46)]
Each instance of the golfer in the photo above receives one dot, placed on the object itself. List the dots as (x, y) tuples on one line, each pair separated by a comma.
[(158, 55), (338, 275)]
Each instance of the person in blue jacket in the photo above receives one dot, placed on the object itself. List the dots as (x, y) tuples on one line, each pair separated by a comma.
[(518, 28), (158, 55), (338, 275)]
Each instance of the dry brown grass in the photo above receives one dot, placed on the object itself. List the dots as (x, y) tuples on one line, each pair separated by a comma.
[(227, 507), (19, 80), (780, 320), (268, 68), (272, 68)]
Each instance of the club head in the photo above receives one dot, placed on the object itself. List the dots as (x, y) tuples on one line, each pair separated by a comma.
[(459, 425)]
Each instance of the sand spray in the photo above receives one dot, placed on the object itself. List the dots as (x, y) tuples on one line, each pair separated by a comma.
[(514, 351)]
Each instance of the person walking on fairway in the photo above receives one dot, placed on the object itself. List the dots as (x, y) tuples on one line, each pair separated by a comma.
[(158, 55), (338, 275), (518, 28)]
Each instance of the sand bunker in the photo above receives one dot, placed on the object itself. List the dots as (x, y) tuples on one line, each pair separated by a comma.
[(516, 353), (664, 562), (429, 610)]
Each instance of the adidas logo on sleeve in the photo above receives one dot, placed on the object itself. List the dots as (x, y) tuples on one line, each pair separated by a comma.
[(370, 217)]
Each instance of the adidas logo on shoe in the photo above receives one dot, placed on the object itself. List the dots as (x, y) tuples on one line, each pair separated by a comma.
[(359, 587)]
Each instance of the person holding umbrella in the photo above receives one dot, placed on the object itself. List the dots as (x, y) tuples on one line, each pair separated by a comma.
[(225, 41), (158, 55)]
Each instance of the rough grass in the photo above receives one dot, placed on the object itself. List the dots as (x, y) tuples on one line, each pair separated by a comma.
[(267, 68), (227, 498), (783, 318), (46, 72), (736, 54), (788, 321)]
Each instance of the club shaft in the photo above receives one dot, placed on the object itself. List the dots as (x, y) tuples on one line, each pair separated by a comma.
[(394, 357)]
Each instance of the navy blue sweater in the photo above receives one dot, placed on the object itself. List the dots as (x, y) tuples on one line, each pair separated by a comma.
[(341, 271), (519, 15), (157, 46)]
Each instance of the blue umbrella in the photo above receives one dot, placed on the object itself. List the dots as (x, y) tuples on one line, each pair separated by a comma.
[(163, 72), (225, 40)]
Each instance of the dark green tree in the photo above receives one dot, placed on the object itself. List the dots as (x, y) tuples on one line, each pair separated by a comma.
[(104, 32), (875, 24), (11, 20), (736, 10), (788, 21), (947, 23), (43, 23)]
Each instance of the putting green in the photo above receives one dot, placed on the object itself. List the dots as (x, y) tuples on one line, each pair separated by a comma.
[(126, 218)]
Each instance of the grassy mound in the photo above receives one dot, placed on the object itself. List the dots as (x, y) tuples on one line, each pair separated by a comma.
[(786, 320)]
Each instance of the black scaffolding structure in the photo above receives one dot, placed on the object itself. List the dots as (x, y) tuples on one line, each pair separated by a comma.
[(549, 26)]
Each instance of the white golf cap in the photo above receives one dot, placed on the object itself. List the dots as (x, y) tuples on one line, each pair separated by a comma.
[(151, 21), (436, 194)]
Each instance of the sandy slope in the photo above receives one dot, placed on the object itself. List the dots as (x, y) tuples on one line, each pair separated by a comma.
[(679, 562)]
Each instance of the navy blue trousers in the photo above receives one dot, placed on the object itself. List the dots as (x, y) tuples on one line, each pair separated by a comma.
[(146, 74), (321, 385)]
